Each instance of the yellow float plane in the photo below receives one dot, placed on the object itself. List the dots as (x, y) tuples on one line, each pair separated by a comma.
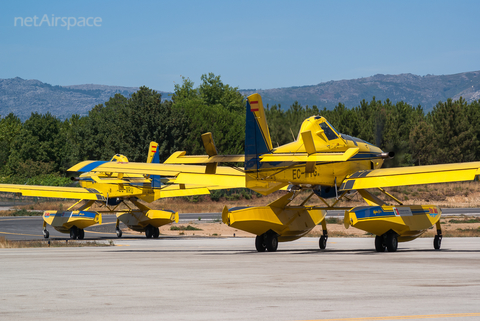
[(118, 192), (330, 165)]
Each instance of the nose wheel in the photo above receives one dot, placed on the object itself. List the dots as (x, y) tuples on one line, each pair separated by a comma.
[(117, 229), (322, 242), (45, 232), (437, 241)]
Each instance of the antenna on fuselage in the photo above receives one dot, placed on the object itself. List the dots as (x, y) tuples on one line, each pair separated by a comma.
[(291, 131)]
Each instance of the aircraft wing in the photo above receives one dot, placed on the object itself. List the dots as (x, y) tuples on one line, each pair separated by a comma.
[(224, 177), (53, 191), (414, 175)]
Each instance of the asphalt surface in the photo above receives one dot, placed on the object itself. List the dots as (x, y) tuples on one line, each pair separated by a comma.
[(30, 227), (226, 279)]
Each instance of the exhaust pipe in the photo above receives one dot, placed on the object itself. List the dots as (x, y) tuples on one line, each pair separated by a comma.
[(388, 155)]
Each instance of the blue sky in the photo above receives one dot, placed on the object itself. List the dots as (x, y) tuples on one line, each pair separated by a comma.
[(250, 44)]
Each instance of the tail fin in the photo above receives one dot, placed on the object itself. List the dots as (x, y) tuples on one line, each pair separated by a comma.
[(257, 135), (153, 153), (257, 143), (154, 157)]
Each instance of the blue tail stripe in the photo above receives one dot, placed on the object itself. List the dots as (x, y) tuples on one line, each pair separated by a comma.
[(255, 144), (156, 182)]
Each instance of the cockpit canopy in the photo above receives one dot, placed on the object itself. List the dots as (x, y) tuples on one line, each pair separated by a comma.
[(317, 124)]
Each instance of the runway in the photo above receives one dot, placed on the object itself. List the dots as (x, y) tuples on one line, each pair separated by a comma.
[(30, 227), (225, 279)]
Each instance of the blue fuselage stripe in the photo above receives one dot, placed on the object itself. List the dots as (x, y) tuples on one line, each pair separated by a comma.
[(91, 166)]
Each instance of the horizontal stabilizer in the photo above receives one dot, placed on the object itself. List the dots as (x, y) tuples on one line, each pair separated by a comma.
[(212, 180), (180, 158), (147, 169), (177, 190)]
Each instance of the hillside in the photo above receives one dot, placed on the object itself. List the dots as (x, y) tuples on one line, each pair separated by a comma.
[(23, 97), (414, 90)]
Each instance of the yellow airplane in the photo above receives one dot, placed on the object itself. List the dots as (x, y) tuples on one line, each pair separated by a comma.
[(330, 165), (117, 192)]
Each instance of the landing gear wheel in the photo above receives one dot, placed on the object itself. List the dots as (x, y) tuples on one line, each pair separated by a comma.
[(259, 244), (379, 246), (149, 231), (81, 233), (46, 234), (73, 232), (119, 232), (392, 242), (437, 242), (156, 232), (271, 242), (322, 242)]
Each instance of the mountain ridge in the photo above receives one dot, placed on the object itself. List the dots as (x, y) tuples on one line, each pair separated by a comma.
[(415, 90), (22, 97)]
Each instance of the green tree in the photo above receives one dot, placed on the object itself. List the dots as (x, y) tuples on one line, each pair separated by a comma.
[(35, 142), (212, 107), (10, 127), (455, 135)]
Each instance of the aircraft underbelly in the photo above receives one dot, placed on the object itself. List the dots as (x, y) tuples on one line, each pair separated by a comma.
[(63, 221), (138, 221), (289, 223), (409, 222)]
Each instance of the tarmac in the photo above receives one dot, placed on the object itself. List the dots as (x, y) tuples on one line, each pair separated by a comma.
[(226, 279)]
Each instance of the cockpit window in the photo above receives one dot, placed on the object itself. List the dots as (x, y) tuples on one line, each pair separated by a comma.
[(328, 131)]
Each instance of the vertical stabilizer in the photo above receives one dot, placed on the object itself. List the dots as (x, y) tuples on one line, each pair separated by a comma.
[(257, 143), (257, 135), (154, 157)]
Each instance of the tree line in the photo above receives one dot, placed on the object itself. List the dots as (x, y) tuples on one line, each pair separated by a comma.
[(45, 145)]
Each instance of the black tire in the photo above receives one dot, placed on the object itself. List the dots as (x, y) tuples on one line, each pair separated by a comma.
[(119, 232), (322, 242), (148, 232), (392, 242), (437, 242), (271, 242), (81, 233), (156, 232), (46, 234), (73, 232), (259, 245), (379, 246)]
